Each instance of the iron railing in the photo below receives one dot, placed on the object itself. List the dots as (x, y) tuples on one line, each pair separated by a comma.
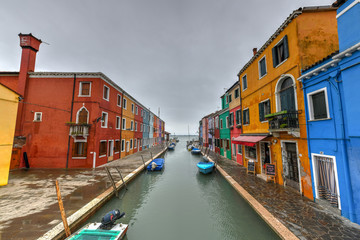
[(283, 120), (79, 129)]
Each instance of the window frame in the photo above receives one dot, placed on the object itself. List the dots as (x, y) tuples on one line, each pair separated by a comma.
[(118, 97), (239, 146), (104, 155), (115, 141), (262, 105), (311, 106), (242, 82), (136, 110), (118, 122), (238, 93), (124, 103), (238, 117), (84, 155), (122, 145), (132, 125), (242, 119), (259, 65), (132, 108), (105, 120), (123, 127), (108, 93), (35, 119), (286, 51), (256, 153), (81, 88)]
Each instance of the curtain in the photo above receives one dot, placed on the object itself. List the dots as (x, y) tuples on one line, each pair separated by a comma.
[(327, 188)]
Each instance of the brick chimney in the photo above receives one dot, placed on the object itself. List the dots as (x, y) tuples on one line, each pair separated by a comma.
[(254, 51), (30, 45)]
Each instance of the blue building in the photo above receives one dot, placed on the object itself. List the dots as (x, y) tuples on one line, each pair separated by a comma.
[(332, 97)]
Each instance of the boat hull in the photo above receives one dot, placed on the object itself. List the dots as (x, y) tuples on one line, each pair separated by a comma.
[(92, 231), (195, 151), (205, 168), (159, 162)]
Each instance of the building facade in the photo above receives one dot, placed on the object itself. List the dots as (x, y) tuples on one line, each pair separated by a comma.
[(332, 113)]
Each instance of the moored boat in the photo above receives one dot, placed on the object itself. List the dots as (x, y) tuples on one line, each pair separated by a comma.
[(171, 147), (205, 167), (195, 151), (107, 229), (156, 164)]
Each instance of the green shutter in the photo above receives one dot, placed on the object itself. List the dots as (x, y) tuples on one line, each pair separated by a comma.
[(286, 47), (274, 57), (261, 112)]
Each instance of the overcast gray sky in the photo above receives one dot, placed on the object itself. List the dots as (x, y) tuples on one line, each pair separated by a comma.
[(178, 55)]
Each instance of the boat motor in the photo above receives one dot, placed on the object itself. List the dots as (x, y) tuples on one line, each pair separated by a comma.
[(108, 221)]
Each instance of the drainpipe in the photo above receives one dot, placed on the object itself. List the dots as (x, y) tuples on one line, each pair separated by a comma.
[(345, 154), (71, 113), (94, 159)]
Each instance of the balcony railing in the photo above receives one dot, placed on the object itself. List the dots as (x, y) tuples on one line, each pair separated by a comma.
[(283, 121), (79, 129)]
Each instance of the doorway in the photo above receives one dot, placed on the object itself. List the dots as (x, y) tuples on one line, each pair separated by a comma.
[(265, 155), (290, 165)]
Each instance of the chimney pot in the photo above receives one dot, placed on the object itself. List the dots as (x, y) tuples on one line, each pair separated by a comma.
[(254, 51)]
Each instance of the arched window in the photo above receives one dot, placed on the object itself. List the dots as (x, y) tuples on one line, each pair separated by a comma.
[(286, 99), (82, 116)]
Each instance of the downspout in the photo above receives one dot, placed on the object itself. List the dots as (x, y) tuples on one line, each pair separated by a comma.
[(346, 165), (121, 120), (71, 113)]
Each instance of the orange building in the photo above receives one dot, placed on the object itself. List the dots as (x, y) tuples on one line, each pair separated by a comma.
[(273, 116), (128, 126)]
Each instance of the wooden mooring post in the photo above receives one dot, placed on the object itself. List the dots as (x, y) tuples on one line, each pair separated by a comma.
[(121, 177), (112, 181), (151, 155), (143, 161), (62, 210)]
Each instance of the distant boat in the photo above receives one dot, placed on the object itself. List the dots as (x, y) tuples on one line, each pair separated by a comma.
[(156, 164), (171, 147), (195, 150), (205, 167), (107, 229)]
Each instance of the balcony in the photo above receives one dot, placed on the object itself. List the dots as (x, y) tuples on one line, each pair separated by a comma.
[(284, 121), (79, 129)]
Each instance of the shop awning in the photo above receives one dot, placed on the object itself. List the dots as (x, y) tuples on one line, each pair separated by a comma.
[(248, 140)]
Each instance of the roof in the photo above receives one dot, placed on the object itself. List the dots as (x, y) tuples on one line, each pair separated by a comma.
[(10, 89), (321, 61), (291, 17), (234, 85), (86, 75)]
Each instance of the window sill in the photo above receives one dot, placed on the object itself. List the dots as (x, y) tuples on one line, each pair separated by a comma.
[(102, 156), (37, 120), (84, 95), (79, 157), (262, 76), (104, 127), (281, 63), (238, 126), (321, 119), (266, 121), (106, 99), (244, 89)]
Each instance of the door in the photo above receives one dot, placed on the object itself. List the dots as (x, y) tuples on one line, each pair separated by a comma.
[(265, 155), (291, 163), (127, 146), (111, 150)]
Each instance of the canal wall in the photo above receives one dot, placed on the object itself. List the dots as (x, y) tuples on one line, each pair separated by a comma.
[(270, 219), (78, 218)]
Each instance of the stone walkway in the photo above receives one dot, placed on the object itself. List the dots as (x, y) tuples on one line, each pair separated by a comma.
[(306, 219), (28, 204)]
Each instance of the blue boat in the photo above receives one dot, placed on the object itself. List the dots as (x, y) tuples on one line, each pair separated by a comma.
[(171, 147), (195, 151), (205, 167), (156, 164)]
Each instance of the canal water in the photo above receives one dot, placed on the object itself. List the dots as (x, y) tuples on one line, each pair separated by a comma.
[(181, 203)]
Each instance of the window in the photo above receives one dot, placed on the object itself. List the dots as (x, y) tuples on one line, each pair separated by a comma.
[(132, 108), (318, 105), (124, 103), (141, 127), (37, 116), (136, 110), (231, 119), (246, 117), (131, 143), (103, 147), (136, 124), (124, 124), (238, 117), (227, 122), (250, 152), (119, 100), (117, 146), (123, 145), (264, 109), (239, 149), (104, 120), (142, 113), (280, 52), (236, 93), (106, 93), (217, 122), (85, 89), (82, 116), (244, 82), (262, 67), (79, 150), (230, 98), (117, 122), (135, 143), (221, 124), (132, 125)]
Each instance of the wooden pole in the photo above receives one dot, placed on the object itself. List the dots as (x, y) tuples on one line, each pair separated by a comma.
[(62, 211), (121, 177), (143, 161), (112, 181), (151, 155)]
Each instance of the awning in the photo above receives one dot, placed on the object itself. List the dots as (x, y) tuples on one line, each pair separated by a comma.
[(248, 140)]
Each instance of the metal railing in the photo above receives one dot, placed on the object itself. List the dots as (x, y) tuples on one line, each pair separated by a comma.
[(79, 129), (283, 120)]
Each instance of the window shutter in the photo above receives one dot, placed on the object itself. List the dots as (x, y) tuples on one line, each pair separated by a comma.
[(261, 112), (74, 149), (85, 150), (286, 47), (274, 57), (269, 107)]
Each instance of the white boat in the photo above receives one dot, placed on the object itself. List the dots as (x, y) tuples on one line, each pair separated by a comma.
[(107, 229)]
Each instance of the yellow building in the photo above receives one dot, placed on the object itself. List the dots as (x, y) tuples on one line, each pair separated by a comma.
[(9, 101), (128, 126), (273, 115)]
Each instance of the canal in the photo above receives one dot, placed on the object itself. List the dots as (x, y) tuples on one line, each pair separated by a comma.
[(181, 203)]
